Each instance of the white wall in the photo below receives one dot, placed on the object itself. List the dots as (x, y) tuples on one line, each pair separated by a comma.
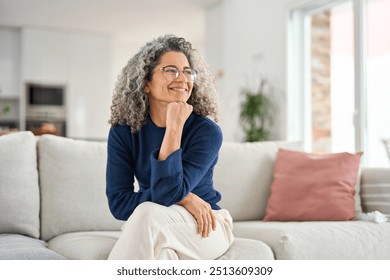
[(9, 62), (247, 39), (81, 61)]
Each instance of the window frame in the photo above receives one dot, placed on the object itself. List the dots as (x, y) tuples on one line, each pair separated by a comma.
[(298, 116)]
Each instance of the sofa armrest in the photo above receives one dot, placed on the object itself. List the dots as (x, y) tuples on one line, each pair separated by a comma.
[(375, 189)]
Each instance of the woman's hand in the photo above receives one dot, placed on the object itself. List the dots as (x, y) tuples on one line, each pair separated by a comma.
[(202, 212), (177, 114)]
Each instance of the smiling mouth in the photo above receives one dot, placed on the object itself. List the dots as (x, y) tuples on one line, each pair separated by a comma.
[(179, 89)]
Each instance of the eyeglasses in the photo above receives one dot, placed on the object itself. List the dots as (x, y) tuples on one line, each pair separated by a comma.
[(171, 73)]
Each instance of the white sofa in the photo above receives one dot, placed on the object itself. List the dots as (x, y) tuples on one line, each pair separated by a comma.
[(53, 205)]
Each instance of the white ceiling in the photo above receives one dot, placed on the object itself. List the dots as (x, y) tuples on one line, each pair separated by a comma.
[(122, 18)]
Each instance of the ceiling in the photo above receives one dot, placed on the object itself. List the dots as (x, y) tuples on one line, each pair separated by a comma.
[(124, 19)]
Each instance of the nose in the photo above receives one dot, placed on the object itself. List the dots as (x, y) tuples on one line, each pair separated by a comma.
[(181, 76)]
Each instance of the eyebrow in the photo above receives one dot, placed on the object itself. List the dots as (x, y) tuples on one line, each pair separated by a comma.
[(185, 67)]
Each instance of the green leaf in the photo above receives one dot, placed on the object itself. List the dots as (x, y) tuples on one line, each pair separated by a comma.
[(255, 115)]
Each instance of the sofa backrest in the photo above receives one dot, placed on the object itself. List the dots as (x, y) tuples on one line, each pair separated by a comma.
[(244, 174), (19, 189), (72, 181)]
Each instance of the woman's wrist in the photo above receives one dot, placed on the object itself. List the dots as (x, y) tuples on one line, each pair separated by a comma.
[(170, 144), (175, 129), (186, 199)]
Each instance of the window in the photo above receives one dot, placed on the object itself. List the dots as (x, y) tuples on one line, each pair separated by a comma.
[(378, 80), (338, 99)]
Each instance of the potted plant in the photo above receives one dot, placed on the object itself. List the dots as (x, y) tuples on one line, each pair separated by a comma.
[(255, 116)]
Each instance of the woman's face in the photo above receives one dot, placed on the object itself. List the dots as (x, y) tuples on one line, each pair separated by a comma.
[(164, 87)]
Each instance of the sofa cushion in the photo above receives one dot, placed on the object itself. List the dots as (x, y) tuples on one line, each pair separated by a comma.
[(349, 240), (97, 246), (376, 190), (72, 180), (92, 245), (248, 249), (19, 247), (19, 190), (311, 187), (243, 175)]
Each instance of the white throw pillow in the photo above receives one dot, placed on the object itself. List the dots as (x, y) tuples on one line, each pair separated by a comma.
[(73, 181), (19, 190)]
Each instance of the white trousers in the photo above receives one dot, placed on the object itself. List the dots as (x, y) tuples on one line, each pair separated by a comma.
[(168, 233)]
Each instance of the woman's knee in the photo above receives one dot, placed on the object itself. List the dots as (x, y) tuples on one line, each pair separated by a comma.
[(147, 212)]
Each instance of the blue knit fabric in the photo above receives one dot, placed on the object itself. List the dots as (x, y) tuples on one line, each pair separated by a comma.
[(166, 182)]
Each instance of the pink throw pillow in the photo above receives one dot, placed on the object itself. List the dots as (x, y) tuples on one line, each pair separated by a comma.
[(309, 187)]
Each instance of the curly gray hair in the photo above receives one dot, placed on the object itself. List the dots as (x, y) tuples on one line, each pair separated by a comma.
[(130, 105)]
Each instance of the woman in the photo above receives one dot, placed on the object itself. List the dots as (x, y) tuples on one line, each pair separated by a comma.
[(160, 134)]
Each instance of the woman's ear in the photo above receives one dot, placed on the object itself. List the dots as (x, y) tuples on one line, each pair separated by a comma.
[(147, 89)]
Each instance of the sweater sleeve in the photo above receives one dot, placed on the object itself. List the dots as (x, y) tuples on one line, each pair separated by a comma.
[(176, 176), (122, 198)]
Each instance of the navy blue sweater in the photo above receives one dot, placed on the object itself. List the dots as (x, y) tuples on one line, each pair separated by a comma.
[(166, 182)]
